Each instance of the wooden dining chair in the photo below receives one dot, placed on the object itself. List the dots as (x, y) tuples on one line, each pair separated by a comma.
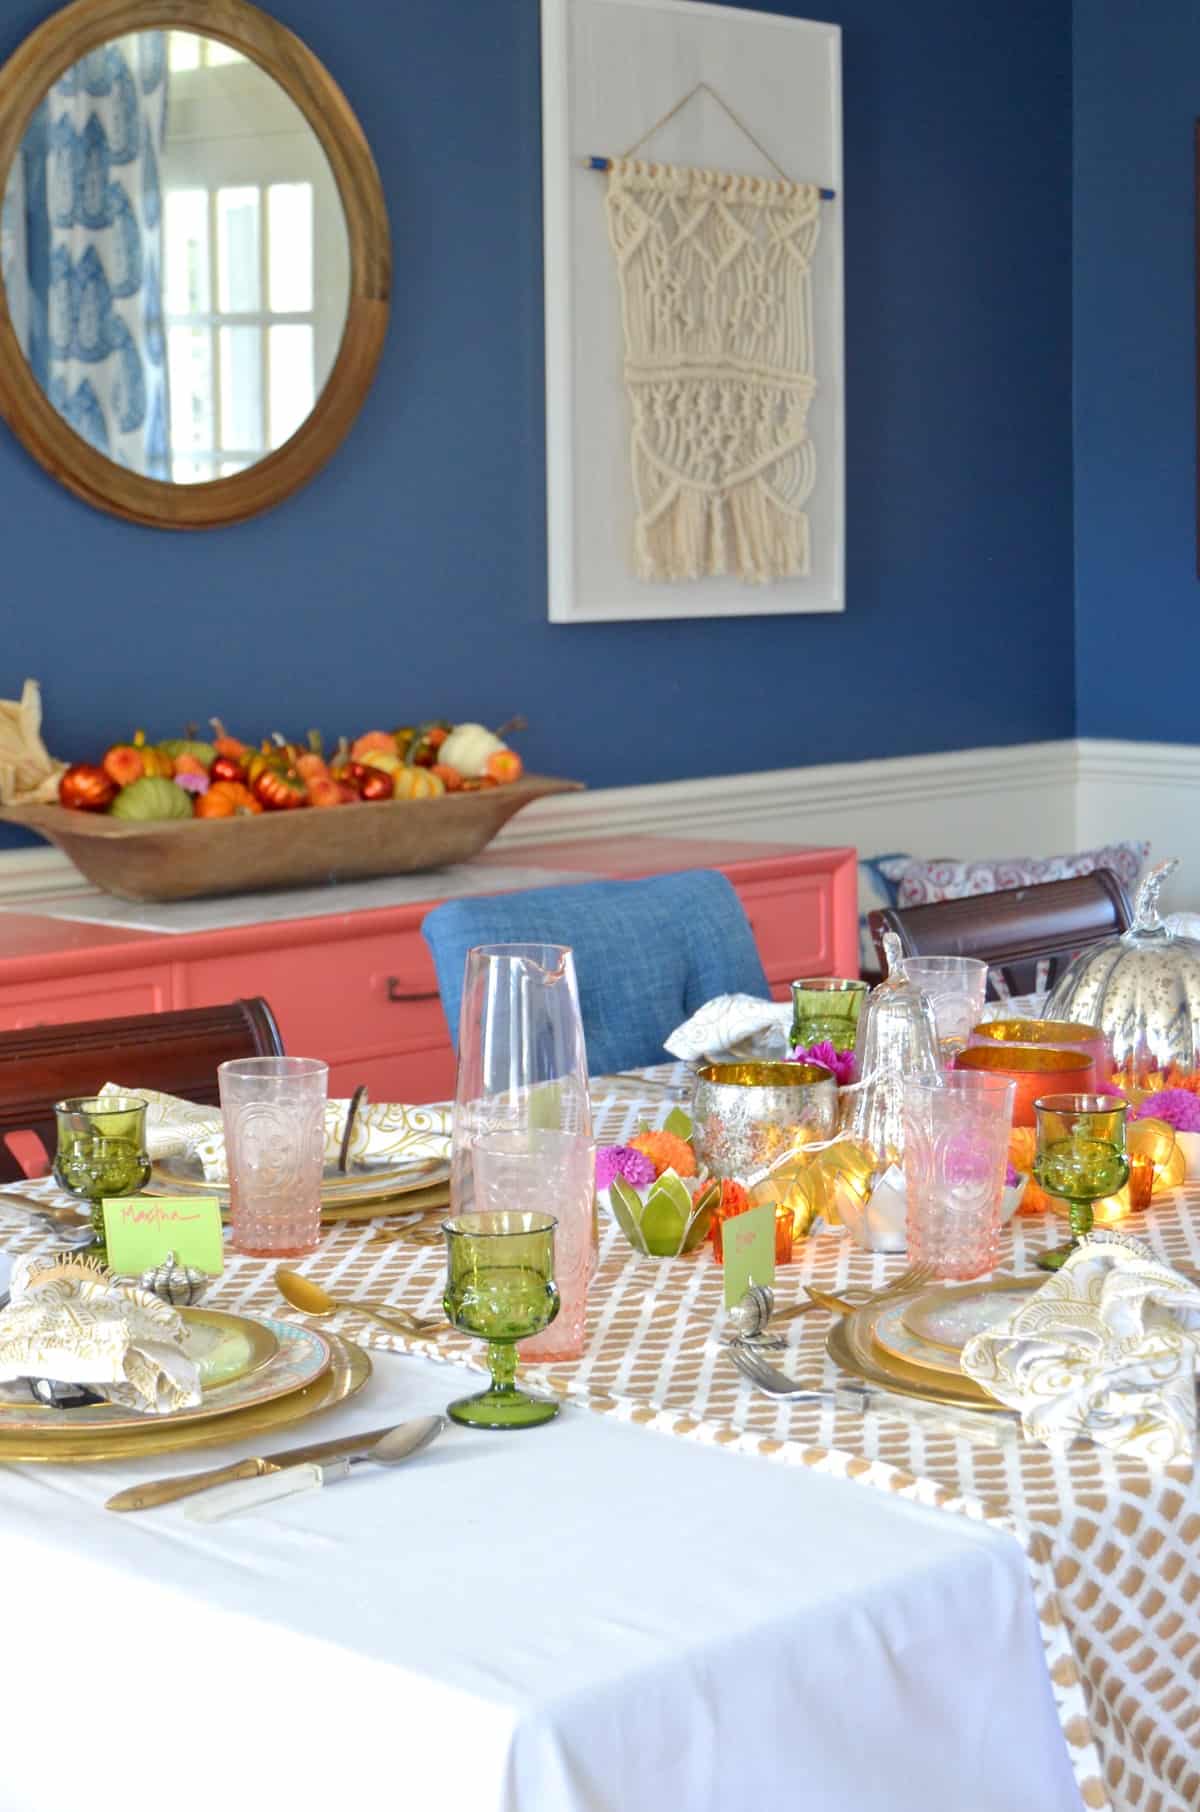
[(1026, 935), (175, 1052)]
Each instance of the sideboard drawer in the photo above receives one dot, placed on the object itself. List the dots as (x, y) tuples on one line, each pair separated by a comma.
[(119, 995), (341, 997), (792, 923)]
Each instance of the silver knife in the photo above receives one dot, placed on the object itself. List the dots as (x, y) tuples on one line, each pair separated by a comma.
[(167, 1491), (289, 1481)]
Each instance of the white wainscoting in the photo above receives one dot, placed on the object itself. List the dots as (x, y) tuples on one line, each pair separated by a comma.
[(1033, 799)]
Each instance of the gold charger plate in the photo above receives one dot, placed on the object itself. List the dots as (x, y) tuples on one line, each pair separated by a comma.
[(947, 1316), (359, 1195), (348, 1370), (299, 1356), (851, 1345)]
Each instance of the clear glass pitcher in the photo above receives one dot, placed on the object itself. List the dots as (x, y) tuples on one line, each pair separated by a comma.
[(522, 1115), (898, 1040)]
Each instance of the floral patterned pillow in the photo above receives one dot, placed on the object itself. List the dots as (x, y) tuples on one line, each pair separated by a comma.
[(920, 883)]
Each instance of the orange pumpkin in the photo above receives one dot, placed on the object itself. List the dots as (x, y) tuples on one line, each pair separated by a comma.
[(155, 764), (450, 778), (379, 740), (224, 743), (311, 766), (227, 799), (123, 764), (504, 765)]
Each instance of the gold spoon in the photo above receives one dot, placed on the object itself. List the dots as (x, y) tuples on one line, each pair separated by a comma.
[(311, 1299)]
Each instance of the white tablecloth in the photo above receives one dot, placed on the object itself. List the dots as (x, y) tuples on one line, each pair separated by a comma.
[(582, 1618)]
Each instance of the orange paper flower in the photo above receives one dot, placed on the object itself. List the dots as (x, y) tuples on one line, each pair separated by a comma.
[(666, 1151)]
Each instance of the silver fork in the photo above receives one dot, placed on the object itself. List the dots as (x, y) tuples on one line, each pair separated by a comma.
[(990, 1430)]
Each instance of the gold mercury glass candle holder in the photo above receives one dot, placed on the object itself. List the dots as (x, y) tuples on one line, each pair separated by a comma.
[(745, 1116), (101, 1150)]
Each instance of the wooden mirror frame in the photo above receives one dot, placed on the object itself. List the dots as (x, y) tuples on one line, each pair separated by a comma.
[(46, 54)]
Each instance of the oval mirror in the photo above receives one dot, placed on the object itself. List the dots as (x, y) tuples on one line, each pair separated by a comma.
[(194, 258)]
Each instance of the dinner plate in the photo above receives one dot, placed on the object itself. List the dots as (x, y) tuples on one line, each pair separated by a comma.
[(851, 1344), (949, 1315), (246, 1376), (348, 1370), (357, 1194)]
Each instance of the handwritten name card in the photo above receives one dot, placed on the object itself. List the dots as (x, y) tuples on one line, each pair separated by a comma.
[(140, 1230)]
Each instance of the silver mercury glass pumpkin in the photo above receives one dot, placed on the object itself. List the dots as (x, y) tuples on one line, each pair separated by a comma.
[(1142, 989), (897, 1039), (175, 1283)]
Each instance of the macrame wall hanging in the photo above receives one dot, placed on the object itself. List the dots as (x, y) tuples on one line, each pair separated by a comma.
[(716, 300)]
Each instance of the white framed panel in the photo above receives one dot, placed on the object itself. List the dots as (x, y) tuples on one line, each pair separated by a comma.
[(610, 68)]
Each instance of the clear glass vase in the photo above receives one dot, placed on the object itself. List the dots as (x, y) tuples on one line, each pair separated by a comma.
[(522, 1136)]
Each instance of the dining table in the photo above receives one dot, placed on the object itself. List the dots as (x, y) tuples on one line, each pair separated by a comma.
[(679, 1596)]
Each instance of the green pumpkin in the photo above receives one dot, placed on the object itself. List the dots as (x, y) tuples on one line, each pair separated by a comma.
[(150, 798), (203, 752)]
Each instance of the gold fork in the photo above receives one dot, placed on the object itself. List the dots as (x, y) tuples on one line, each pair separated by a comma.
[(857, 1296)]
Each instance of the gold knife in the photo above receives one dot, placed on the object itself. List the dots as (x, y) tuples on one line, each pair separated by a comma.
[(167, 1491)]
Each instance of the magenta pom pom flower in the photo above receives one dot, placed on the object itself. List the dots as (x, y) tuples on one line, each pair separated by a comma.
[(1177, 1106), (843, 1063), (623, 1161)]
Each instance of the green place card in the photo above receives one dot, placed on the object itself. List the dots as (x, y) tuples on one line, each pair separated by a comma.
[(748, 1247), (139, 1231)]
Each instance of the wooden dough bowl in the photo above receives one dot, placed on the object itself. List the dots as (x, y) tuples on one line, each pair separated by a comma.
[(185, 859)]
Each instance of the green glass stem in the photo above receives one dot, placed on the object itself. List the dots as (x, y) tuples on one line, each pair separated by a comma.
[(1081, 1217), (502, 1363)]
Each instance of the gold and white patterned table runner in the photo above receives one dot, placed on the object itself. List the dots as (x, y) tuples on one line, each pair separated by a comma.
[(1113, 1548)]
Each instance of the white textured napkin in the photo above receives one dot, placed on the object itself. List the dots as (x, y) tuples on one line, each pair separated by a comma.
[(383, 1133), (1106, 1348), (725, 1021), (69, 1321)]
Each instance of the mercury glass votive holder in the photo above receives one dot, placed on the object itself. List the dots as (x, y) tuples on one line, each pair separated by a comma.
[(747, 1115)]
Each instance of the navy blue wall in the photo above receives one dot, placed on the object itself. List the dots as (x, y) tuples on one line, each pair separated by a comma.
[(410, 577), (1137, 96)]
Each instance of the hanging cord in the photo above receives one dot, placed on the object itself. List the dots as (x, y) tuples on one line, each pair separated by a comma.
[(739, 123)]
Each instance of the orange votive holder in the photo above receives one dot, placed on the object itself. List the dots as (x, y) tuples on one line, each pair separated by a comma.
[(1141, 1180), (785, 1226), (1036, 1069)]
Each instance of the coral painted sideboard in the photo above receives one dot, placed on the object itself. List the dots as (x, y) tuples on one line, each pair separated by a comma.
[(345, 968)]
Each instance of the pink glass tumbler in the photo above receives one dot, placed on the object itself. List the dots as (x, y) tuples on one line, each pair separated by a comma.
[(956, 1132), (274, 1110)]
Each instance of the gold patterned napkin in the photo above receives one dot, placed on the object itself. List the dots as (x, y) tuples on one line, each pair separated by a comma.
[(1106, 1348), (73, 1322), (383, 1132)]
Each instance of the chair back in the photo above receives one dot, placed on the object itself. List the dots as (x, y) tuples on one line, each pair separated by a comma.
[(175, 1052), (1026, 935), (647, 953)]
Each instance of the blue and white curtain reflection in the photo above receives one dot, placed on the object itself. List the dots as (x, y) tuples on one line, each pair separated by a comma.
[(82, 250)]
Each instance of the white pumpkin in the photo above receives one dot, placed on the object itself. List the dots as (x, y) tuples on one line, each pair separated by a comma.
[(467, 749)]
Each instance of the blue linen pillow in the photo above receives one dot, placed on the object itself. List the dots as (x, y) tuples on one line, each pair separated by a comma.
[(648, 953), (876, 887)]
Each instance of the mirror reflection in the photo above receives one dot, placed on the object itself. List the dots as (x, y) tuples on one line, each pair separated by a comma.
[(174, 256)]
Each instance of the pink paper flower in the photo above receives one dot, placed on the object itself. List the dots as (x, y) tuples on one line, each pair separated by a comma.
[(192, 783), (623, 1161), (844, 1064)]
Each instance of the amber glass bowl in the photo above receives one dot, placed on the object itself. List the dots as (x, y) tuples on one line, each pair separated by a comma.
[(1036, 1069), (1061, 1034)]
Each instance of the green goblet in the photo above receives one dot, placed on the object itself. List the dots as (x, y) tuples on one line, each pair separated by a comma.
[(500, 1287), (101, 1150), (1080, 1157)]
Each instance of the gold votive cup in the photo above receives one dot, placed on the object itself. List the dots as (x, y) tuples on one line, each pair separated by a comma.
[(747, 1115), (1058, 1034)]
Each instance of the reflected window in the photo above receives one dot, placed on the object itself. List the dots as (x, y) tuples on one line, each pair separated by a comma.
[(254, 263)]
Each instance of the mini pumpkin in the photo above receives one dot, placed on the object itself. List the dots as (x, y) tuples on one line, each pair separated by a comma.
[(227, 799), (417, 783), (84, 788)]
